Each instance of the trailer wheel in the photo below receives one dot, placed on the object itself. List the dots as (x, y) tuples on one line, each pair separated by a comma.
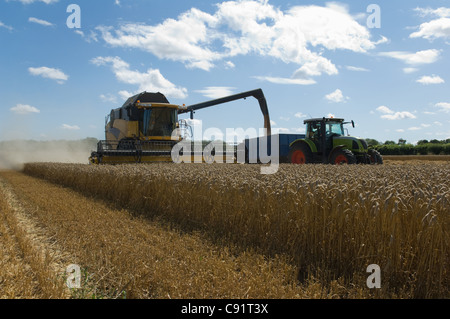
[(300, 154)]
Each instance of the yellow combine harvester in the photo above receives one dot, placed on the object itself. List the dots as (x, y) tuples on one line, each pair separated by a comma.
[(146, 128)]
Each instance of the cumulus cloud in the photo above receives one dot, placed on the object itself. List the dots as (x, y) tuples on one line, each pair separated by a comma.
[(443, 106), (437, 28), (24, 109), (215, 92), (417, 58), (389, 114), (152, 80), (336, 97), (299, 35), (49, 73), (434, 79), (41, 22)]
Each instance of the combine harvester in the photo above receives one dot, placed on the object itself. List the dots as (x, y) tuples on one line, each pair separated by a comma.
[(146, 129)]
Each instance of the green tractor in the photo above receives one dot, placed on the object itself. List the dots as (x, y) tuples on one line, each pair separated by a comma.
[(325, 142)]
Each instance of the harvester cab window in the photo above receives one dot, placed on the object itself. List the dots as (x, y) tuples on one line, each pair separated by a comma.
[(159, 121)]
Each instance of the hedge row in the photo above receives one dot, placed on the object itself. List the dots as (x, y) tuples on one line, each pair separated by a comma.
[(409, 149)]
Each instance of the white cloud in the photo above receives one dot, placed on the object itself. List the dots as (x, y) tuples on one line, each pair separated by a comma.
[(410, 70), (440, 12), (299, 115), (215, 92), (336, 97), (279, 80), (199, 39), (420, 57), (70, 127), (124, 95), (284, 118), (414, 128), (392, 115), (41, 22), (152, 80), (273, 123), (385, 110), (400, 130), (23, 109), (91, 37), (445, 107), (229, 65), (437, 28), (185, 39), (111, 98), (2, 25), (33, 1), (49, 73), (356, 69), (434, 79)]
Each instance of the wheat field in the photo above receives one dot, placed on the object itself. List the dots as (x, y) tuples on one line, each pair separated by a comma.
[(322, 224)]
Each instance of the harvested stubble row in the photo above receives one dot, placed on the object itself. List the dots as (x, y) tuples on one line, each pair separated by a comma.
[(333, 221)]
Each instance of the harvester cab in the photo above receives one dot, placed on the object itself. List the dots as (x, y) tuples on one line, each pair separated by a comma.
[(325, 142)]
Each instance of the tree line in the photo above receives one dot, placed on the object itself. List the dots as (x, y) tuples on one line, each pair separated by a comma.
[(402, 147)]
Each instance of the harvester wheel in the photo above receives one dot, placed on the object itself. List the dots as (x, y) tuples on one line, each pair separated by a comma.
[(375, 157), (343, 156), (300, 154)]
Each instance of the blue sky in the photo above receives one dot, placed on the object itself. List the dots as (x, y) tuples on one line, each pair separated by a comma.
[(389, 72)]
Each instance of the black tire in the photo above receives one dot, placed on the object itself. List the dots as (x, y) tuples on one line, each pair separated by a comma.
[(375, 157), (300, 154), (343, 156)]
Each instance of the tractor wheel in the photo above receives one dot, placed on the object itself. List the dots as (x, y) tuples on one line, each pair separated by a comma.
[(300, 154), (375, 157), (343, 156)]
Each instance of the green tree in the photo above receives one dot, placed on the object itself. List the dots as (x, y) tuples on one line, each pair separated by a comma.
[(372, 142), (421, 142)]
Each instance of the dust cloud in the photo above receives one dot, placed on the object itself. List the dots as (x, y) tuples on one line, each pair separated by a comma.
[(14, 154)]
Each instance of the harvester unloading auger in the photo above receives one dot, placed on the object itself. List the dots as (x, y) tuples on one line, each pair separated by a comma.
[(146, 127)]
